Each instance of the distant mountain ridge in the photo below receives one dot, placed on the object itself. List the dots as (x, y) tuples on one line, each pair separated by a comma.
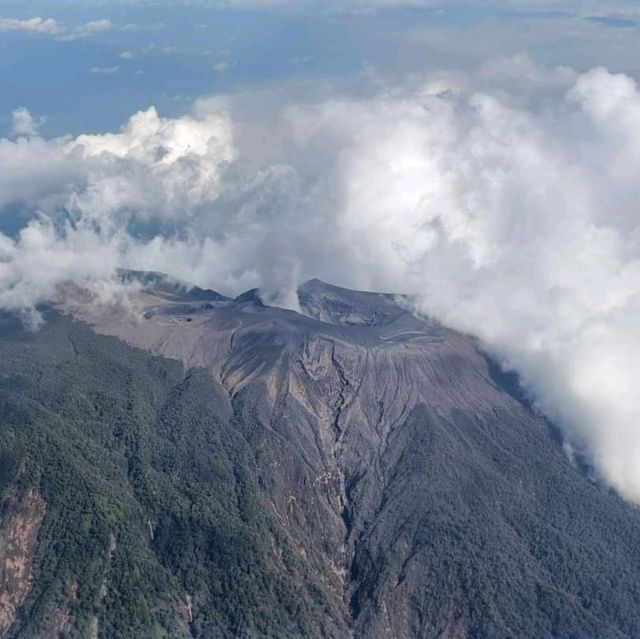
[(217, 467), (163, 284)]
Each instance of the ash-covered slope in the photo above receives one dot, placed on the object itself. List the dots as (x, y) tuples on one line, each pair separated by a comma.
[(347, 471)]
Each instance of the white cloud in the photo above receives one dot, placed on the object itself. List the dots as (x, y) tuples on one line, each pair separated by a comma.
[(153, 167), (86, 30), (49, 26), (95, 26), (31, 25), (518, 226), (104, 70), (134, 27), (23, 123), (222, 66), (575, 7), (505, 200)]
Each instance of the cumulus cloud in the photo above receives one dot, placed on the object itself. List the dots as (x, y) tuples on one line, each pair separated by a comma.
[(49, 26), (95, 26), (87, 29), (31, 25), (152, 167), (23, 123), (505, 201)]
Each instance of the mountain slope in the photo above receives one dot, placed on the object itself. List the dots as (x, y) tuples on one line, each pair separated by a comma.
[(151, 498), (348, 471)]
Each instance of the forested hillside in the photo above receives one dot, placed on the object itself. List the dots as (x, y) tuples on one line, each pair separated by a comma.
[(150, 499)]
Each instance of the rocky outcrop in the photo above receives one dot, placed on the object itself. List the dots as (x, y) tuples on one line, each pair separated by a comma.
[(23, 510)]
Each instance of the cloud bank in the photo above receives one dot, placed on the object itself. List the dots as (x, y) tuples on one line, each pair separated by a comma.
[(619, 8), (49, 26), (505, 200)]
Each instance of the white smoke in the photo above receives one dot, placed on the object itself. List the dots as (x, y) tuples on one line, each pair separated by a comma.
[(506, 200)]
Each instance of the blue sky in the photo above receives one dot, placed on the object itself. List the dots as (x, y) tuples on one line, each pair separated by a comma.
[(135, 54)]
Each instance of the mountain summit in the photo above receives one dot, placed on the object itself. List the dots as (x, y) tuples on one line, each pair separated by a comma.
[(222, 468)]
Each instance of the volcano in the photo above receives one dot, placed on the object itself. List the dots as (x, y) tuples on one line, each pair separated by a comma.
[(220, 468)]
